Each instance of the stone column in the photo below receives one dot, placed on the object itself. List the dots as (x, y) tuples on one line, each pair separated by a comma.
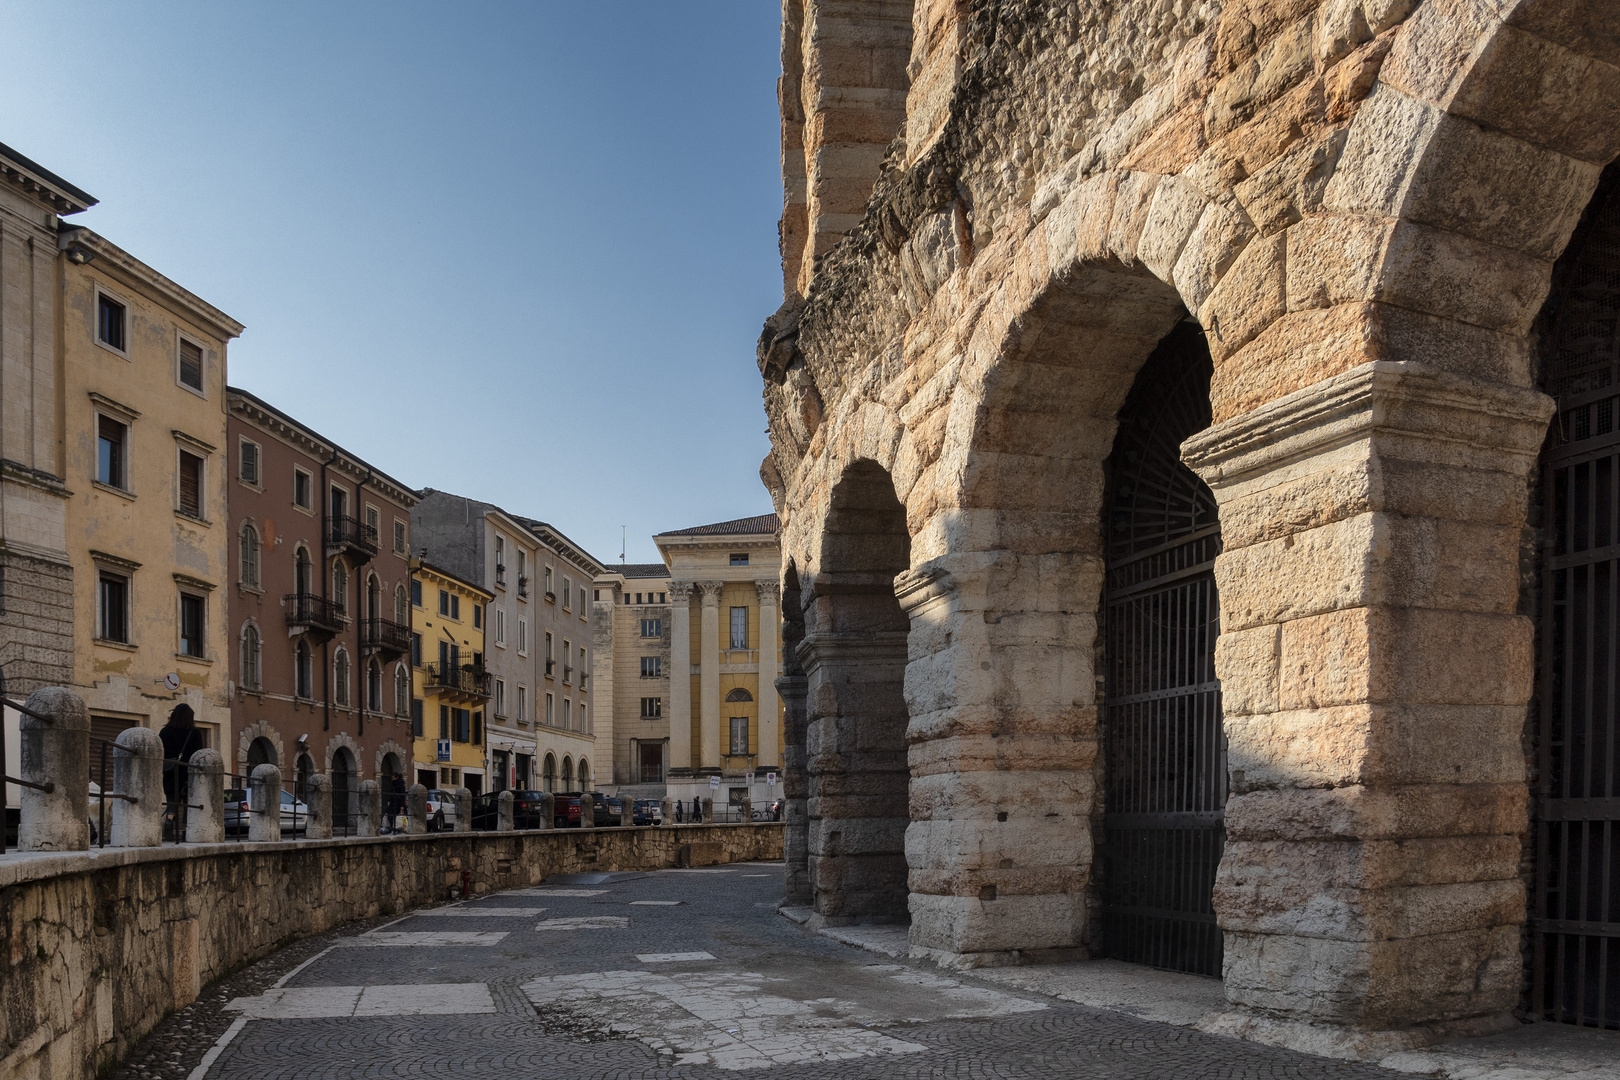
[(56, 753), (415, 810), (708, 811), (548, 811), (137, 772), (1374, 674), (770, 754), (264, 803), (318, 796), (627, 811), (587, 811), (666, 810), (503, 812), (463, 798), (709, 677), (795, 835), (205, 812), (680, 679), (370, 808)]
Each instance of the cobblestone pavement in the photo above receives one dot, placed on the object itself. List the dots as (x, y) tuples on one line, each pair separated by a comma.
[(595, 979)]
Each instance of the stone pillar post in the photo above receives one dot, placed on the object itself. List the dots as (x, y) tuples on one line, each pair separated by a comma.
[(138, 772), (708, 810), (1374, 674), (503, 812), (770, 630), (680, 679), (666, 810), (264, 803), (795, 828), (205, 812), (627, 810), (415, 810), (56, 753), (548, 810), (587, 811), (463, 799), (747, 808), (318, 796), (709, 677), (370, 811)]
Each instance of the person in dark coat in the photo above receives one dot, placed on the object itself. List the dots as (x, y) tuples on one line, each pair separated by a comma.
[(396, 801), (697, 808), (180, 739)]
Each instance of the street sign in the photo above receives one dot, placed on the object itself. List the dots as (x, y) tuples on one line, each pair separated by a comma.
[(171, 681), (770, 779), (444, 749), (748, 778), (714, 781)]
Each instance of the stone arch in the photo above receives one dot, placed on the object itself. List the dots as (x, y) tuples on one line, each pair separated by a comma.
[(584, 769), (567, 780), (303, 570), (739, 694), (854, 653), (343, 764), (345, 742), (389, 749), (259, 729), (261, 751), (549, 772)]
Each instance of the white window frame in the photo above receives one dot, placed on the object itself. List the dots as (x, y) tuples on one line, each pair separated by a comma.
[(500, 627), (95, 321), (127, 419), (186, 445), (179, 336), (258, 467), (309, 477), (402, 537), (523, 636)]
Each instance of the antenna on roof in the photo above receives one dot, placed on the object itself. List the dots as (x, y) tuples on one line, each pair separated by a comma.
[(623, 532)]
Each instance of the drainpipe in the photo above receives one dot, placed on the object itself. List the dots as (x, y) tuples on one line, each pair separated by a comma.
[(360, 629), (326, 592)]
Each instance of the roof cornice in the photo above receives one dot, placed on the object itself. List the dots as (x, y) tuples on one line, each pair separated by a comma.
[(42, 185), (268, 418), (127, 267)]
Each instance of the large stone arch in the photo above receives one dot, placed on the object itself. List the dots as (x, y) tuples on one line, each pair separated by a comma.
[(259, 729)]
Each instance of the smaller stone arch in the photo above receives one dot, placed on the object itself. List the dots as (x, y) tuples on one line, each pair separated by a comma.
[(340, 677), (259, 729), (548, 774), (388, 748), (740, 694), (343, 741), (303, 570), (567, 773), (584, 775)]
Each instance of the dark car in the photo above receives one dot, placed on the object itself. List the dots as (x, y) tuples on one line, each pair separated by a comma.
[(527, 807), (565, 810), (647, 812)]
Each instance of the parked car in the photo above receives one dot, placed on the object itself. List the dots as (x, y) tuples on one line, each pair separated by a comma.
[(294, 812), (441, 810), (565, 810), (527, 806), (647, 812)]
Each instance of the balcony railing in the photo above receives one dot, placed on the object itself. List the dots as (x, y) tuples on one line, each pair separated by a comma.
[(385, 635), (568, 673), (316, 613), (459, 680), (351, 534), (551, 666)]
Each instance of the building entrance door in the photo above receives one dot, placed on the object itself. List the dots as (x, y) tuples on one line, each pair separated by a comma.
[(652, 762), (1163, 820), (1575, 813)]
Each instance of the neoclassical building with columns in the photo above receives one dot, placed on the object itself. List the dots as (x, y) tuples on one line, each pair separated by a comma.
[(1194, 434), (692, 653)]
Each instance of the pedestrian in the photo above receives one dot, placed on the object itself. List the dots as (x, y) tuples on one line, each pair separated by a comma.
[(697, 808), (396, 800), (180, 739), (680, 808)]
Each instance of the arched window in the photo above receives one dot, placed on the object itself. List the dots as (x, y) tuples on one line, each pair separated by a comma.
[(568, 774), (250, 656), (402, 606), (374, 685), (584, 775), (303, 670), (739, 694), (373, 597), (303, 577), (340, 677), (340, 585), (250, 556), (402, 690), (549, 773)]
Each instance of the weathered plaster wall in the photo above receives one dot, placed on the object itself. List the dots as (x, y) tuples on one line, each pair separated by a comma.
[(103, 945)]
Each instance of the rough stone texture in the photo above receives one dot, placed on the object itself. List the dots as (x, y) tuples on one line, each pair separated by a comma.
[(1361, 202), (105, 944)]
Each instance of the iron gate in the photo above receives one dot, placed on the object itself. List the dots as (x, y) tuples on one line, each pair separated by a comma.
[(1575, 917), (1166, 753)]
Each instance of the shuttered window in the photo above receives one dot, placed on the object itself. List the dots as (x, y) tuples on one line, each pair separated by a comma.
[(112, 442), (191, 480), (250, 462), (191, 365)]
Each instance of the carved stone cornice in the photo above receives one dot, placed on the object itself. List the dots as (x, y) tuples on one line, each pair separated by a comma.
[(769, 591), (680, 592), (711, 591)]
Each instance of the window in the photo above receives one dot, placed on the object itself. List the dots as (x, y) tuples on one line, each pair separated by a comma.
[(500, 559), (374, 685), (191, 484), (444, 602), (740, 694), (462, 718), (112, 452), (416, 594), (399, 537), (192, 611), (638, 598), (661, 599), (416, 717), (478, 616), (549, 720), (478, 727), (500, 697), (739, 628), (110, 321), (652, 627), (739, 558), (444, 721), (523, 704), (113, 601), (568, 648), (549, 593), (250, 556), (568, 587), (250, 656), (739, 735), (402, 691), (568, 714), (652, 708), (402, 606), (455, 606), (500, 626), (303, 489), (416, 650), (523, 637), (582, 670), (339, 501), (248, 464), (651, 667), (191, 365), (548, 652), (340, 585), (340, 677), (303, 670), (373, 524), (523, 565)]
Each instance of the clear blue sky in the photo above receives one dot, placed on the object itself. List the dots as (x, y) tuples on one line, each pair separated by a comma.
[(515, 251)]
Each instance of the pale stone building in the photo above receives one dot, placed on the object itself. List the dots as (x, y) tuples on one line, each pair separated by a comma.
[(1179, 564), (146, 457), (695, 647)]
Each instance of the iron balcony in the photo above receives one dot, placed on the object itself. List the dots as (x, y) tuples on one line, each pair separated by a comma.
[(458, 682), (385, 636), (315, 615), (349, 535)]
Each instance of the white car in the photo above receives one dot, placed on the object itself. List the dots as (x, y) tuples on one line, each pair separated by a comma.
[(441, 810), (294, 812)]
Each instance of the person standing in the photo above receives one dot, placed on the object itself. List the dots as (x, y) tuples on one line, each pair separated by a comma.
[(396, 801), (180, 739)]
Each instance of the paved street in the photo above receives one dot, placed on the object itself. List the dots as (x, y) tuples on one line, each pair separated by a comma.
[(673, 974)]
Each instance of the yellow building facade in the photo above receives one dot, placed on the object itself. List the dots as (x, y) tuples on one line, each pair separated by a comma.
[(451, 682), (143, 364)]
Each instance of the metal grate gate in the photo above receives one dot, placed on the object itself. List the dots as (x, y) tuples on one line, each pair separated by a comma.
[(1575, 919), (1166, 753)]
